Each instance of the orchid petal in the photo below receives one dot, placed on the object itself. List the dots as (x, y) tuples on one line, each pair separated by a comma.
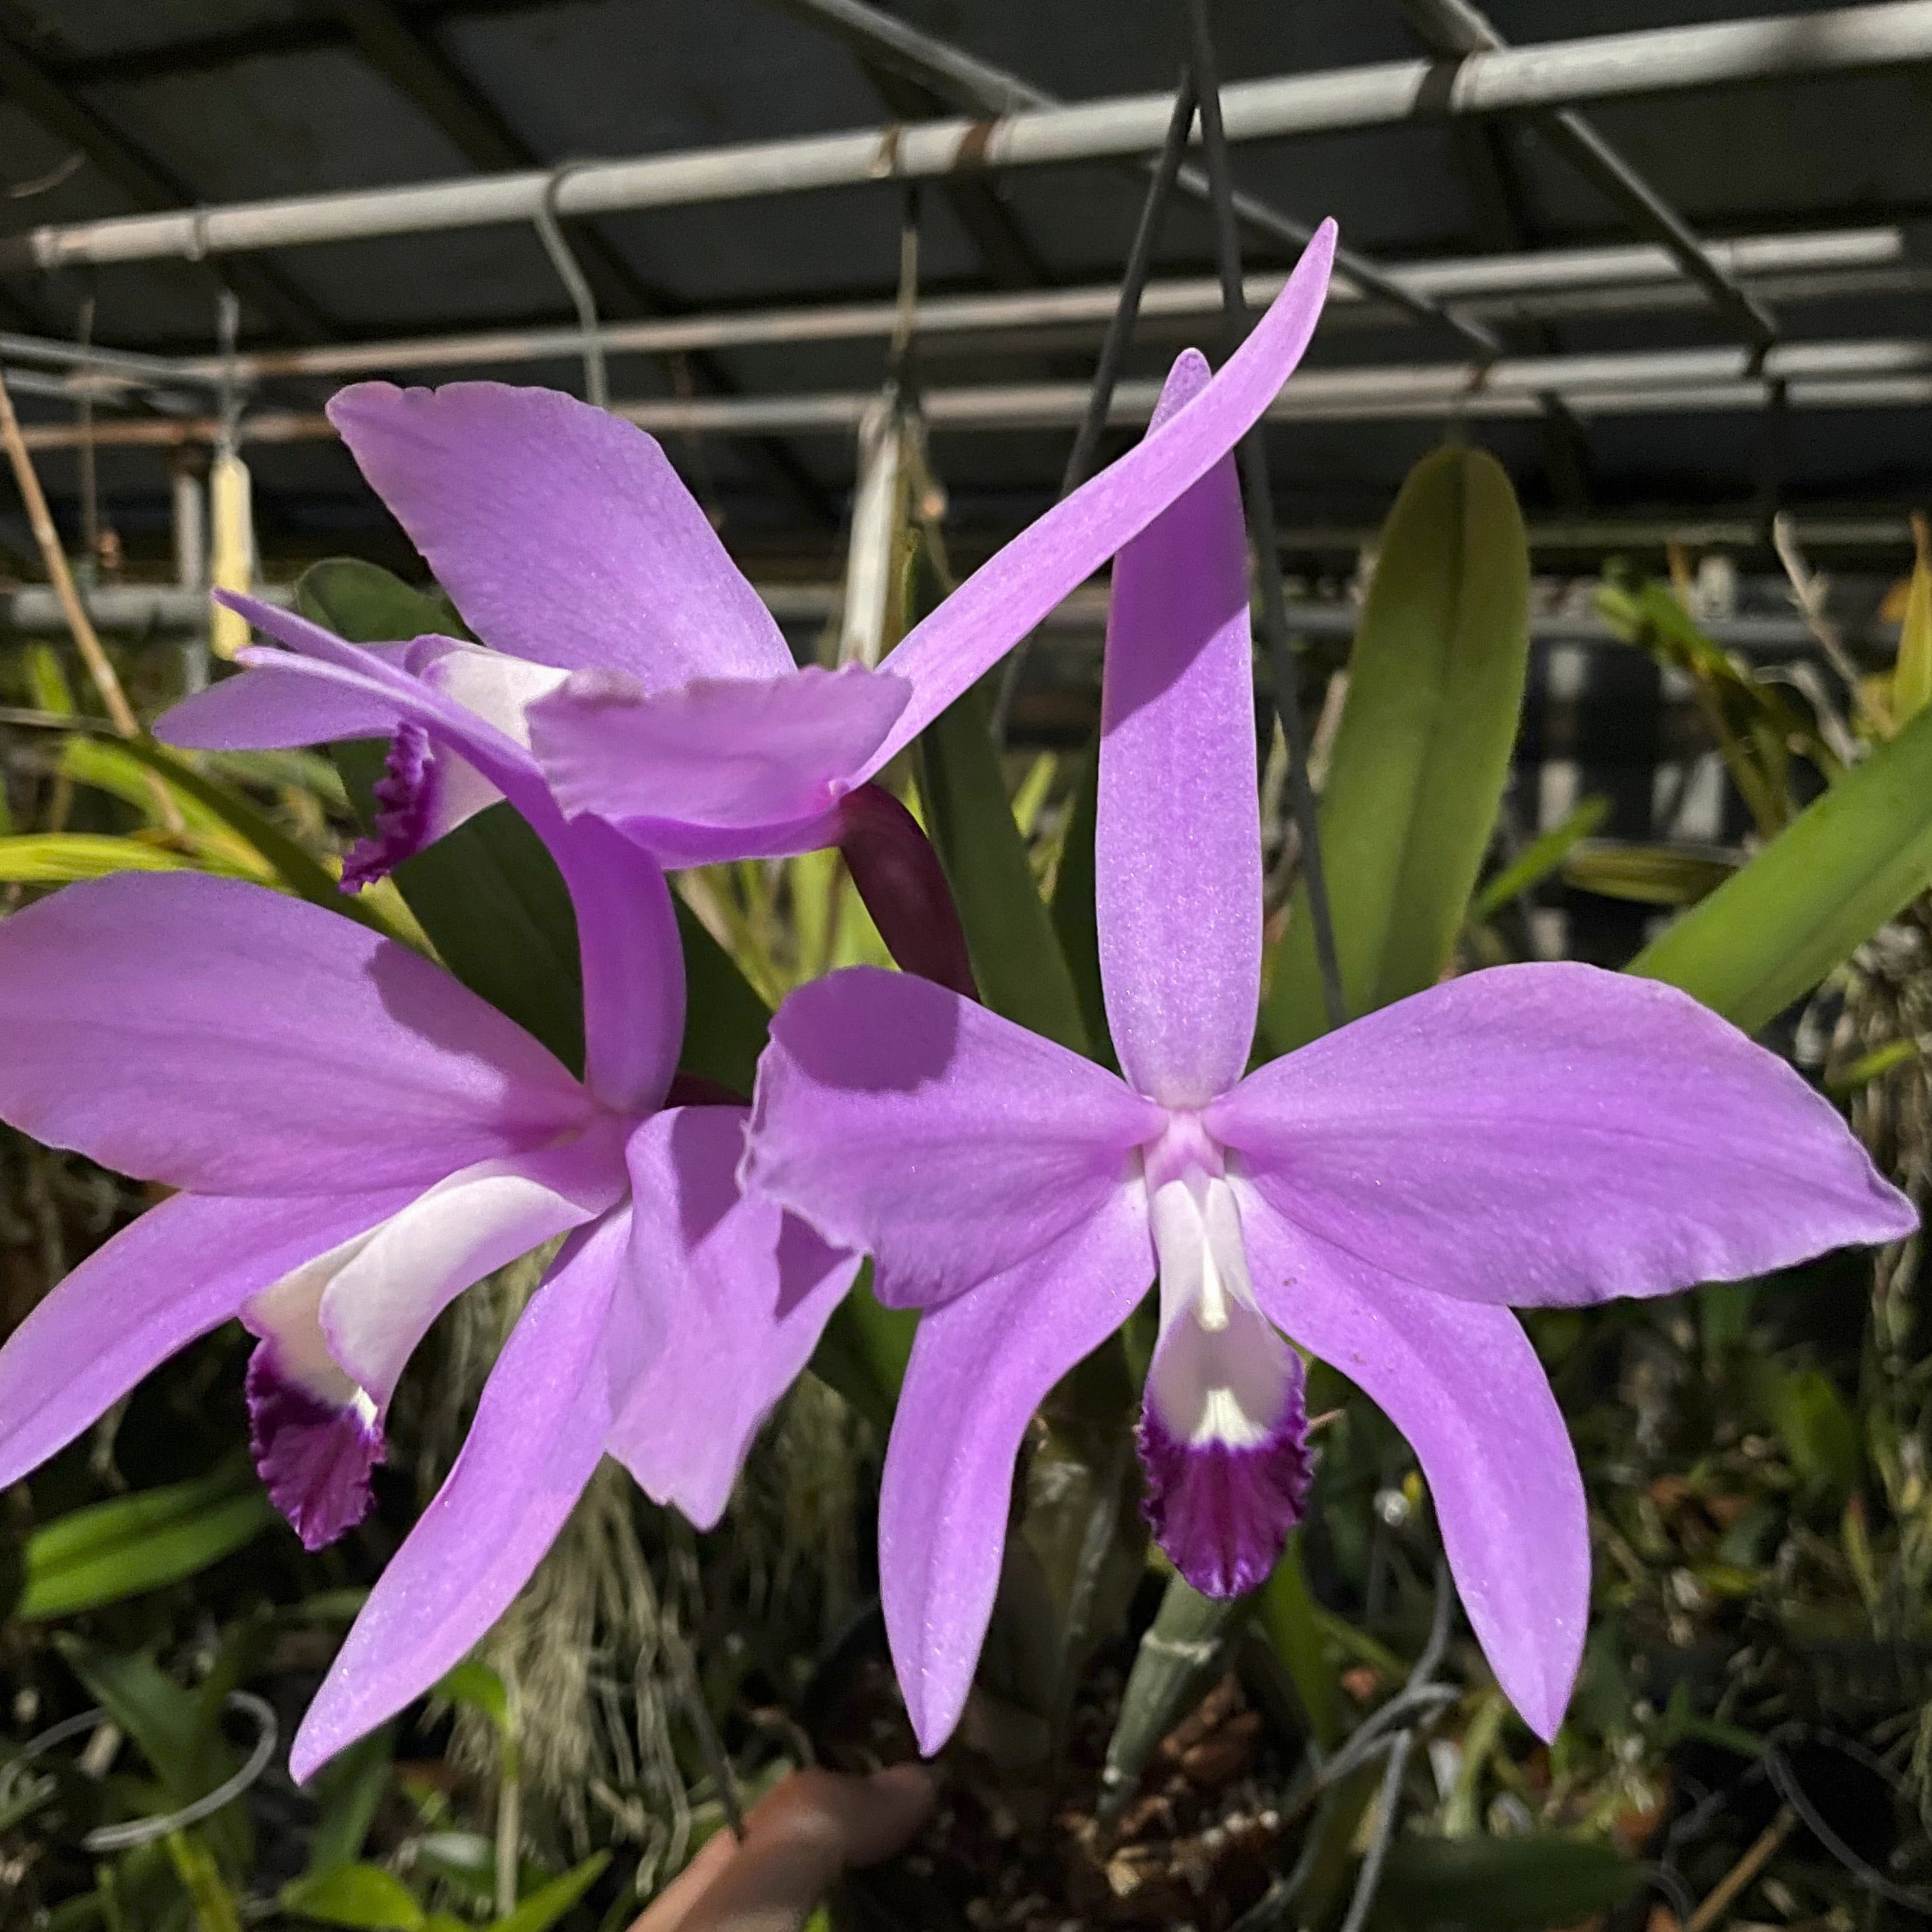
[(1554, 1134), (562, 533), (1177, 881), (271, 709), (1462, 1383), (980, 1366), (498, 687), (183, 1268), (539, 1434), (732, 754), (895, 1116), (379, 1303), (217, 1036), (319, 654), (633, 964), (741, 1292), (1007, 596)]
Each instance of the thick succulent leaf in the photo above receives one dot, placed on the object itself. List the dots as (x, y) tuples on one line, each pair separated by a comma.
[(1846, 864), (1434, 685)]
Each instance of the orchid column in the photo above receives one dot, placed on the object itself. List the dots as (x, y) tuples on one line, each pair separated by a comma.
[(1533, 1136)]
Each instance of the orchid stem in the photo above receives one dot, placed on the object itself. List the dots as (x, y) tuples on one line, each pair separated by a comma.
[(1113, 352), (1259, 492)]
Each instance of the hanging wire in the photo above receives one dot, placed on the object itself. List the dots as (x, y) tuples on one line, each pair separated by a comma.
[(550, 231), (1113, 352), (1261, 518), (1392, 1730), (125, 1837), (90, 474)]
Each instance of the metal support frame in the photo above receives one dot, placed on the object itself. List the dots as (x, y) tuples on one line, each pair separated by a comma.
[(1553, 74), (161, 609), (1625, 278), (978, 85), (1456, 28), (593, 272), (1886, 373)]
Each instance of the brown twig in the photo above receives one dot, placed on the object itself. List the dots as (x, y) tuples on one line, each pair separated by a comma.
[(1733, 1882), (113, 699)]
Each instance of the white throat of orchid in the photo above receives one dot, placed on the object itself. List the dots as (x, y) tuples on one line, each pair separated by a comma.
[(337, 1332), (1223, 1430)]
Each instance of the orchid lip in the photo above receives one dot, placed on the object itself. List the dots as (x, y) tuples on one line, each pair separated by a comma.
[(315, 1455), (1223, 1434)]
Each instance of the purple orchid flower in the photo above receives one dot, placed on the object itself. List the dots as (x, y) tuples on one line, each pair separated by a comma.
[(1531, 1135), (357, 1138), (626, 650)]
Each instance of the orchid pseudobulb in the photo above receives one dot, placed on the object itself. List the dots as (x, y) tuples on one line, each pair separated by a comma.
[(1530, 1136)]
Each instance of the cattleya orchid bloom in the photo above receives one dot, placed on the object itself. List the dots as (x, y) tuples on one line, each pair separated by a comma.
[(357, 1138), (1534, 1136), (626, 649)]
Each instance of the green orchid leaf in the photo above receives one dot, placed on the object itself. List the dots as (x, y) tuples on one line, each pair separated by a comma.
[(58, 858), (1911, 675), (1539, 858), (725, 1022), (365, 1898), (1662, 875), (109, 1551), (473, 1683), (161, 1718), (348, 1788), (1074, 922), (369, 605), (1435, 685), (1289, 1619), (1851, 860), (1499, 1884), (864, 1350), (1016, 958), (543, 1909)]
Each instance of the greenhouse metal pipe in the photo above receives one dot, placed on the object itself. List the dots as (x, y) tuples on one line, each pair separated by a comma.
[(1457, 28), (1845, 375), (170, 609), (1554, 74), (1638, 269), (971, 82)]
